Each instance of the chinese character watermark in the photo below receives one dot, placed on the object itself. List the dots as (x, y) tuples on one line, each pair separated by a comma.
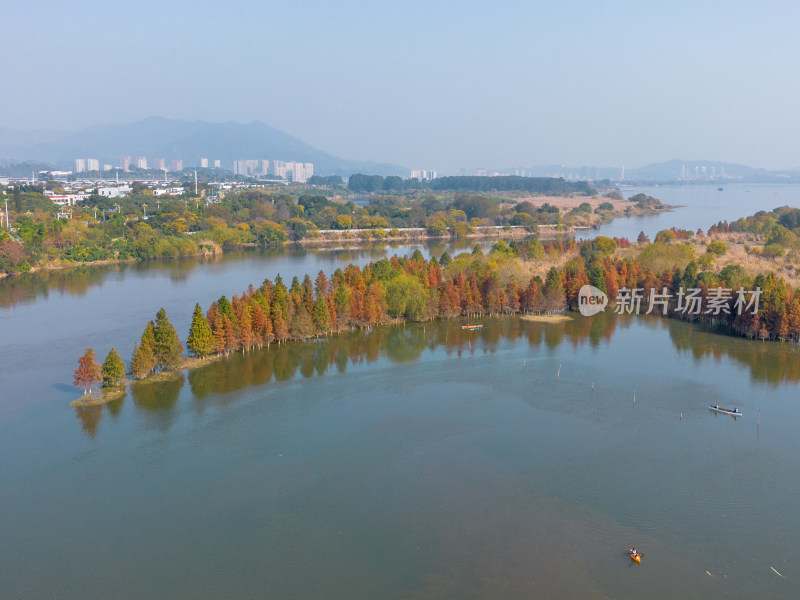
[(717, 301)]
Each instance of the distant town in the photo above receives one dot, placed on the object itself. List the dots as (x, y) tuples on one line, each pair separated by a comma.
[(248, 167)]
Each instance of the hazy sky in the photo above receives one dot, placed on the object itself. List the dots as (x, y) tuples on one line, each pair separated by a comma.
[(439, 85)]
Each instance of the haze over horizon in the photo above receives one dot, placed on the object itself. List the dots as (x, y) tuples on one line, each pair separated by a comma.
[(439, 86)]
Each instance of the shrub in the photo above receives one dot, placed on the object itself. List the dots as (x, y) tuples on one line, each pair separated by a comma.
[(706, 260), (773, 250), (717, 247), (660, 256)]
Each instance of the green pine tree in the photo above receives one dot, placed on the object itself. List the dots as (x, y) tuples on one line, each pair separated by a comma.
[(149, 336), (201, 339), (113, 370), (225, 307), (320, 315), (168, 348), (143, 360)]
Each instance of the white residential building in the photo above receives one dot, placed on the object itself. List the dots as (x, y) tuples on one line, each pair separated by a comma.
[(279, 168), (246, 166), (141, 162), (423, 175), (92, 164), (80, 165), (203, 163), (114, 191)]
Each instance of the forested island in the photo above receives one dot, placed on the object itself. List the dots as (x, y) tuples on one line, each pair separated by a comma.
[(141, 226), (521, 277)]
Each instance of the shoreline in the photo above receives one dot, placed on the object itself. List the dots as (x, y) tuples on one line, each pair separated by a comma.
[(352, 237), (105, 395), (547, 318)]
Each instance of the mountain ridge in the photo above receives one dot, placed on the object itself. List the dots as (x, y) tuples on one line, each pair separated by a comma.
[(171, 139)]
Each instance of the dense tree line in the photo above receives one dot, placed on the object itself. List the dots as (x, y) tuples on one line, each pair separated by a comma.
[(468, 285), (548, 186), (116, 228)]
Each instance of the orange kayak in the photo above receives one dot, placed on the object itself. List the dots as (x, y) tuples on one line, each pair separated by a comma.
[(635, 556)]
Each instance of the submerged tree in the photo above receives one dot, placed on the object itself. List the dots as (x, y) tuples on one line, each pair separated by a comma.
[(88, 372), (113, 370)]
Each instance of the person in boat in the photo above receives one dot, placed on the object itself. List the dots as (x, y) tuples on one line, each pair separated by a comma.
[(736, 410), (716, 406), (634, 552)]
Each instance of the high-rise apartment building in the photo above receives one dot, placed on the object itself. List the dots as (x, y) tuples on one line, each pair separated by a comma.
[(80, 165), (279, 168), (92, 164), (160, 164), (424, 175), (203, 163), (141, 162), (125, 163), (295, 171), (177, 165), (246, 166), (217, 164)]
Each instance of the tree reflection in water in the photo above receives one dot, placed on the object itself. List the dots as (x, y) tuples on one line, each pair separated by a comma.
[(214, 383)]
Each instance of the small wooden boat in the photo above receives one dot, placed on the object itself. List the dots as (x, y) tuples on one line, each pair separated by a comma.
[(472, 327), (734, 412), (635, 556)]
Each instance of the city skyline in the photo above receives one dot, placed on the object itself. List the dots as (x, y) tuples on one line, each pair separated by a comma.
[(290, 170)]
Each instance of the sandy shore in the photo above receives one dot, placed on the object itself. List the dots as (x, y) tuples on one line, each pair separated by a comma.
[(554, 318)]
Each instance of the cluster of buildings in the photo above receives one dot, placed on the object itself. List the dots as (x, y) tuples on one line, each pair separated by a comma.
[(79, 191), (288, 170), (423, 175), (251, 167), (159, 164), (702, 173)]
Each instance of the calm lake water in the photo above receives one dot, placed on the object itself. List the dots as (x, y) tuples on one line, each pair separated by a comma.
[(422, 462), (401, 462), (701, 206), (48, 319)]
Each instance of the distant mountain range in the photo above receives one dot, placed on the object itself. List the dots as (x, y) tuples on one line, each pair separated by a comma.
[(688, 171), (24, 151), (706, 170), (173, 139)]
